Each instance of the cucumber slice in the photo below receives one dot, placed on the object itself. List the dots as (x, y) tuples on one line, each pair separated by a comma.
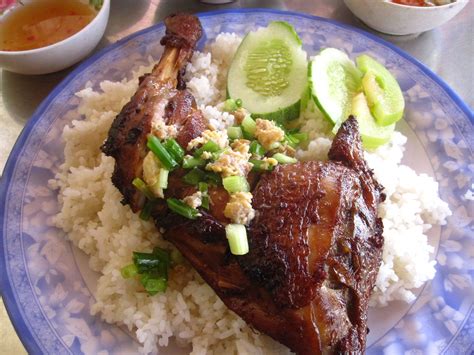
[(334, 80), (372, 134), (269, 72), (383, 93)]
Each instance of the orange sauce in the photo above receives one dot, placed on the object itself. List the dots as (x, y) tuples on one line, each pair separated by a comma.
[(411, 2), (39, 23)]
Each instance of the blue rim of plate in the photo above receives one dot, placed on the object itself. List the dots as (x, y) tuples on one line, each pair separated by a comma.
[(6, 291)]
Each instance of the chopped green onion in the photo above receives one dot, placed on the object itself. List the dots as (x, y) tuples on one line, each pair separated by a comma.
[(260, 166), (236, 184), (153, 286), (182, 209), (190, 162), (160, 151), (129, 271), (145, 213), (284, 159), (194, 177), (163, 254), (234, 132), (141, 186), (176, 257), (237, 237), (238, 102), (152, 269), (256, 148), (209, 146), (213, 178), (163, 178), (174, 149), (249, 126), (144, 278), (205, 201), (203, 187), (216, 155), (302, 137), (146, 261), (230, 105), (291, 140)]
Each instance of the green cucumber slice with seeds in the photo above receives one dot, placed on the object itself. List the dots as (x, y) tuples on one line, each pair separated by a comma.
[(383, 93), (334, 80), (372, 134), (269, 72)]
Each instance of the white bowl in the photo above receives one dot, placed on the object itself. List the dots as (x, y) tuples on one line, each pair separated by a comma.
[(59, 55), (396, 19)]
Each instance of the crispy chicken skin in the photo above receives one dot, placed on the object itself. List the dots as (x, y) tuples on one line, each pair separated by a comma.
[(315, 243), (315, 249), (156, 102)]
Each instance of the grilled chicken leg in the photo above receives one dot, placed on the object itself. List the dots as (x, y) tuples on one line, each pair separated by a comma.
[(149, 110)]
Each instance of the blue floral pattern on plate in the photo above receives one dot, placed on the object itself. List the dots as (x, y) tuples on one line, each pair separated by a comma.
[(45, 292)]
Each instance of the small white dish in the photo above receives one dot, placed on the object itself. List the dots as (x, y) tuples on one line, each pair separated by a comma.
[(395, 19), (59, 55)]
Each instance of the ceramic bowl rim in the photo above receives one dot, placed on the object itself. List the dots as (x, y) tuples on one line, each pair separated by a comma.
[(425, 8), (96, 19)]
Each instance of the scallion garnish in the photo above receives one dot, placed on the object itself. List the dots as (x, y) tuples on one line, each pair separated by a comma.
[(291, 140), (302, 137), (174, 149), (141, 186), (146, 261), (236, 184), (209, 146), (145, 213), (217, 154), (152, 269), (163, 254), (203, 187), (234, 132), (230, 105), (284, 159), (256, 148), (237, 237), (154, 285), (213, 178), (249, 126), (129, 271), (176, 257), (205, 201), (260, 166), (194, 177), (160, 151), (182, 209), (190, 162), (163, 178)]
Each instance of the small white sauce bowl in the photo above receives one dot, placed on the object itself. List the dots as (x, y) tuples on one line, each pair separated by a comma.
[(59, 55), (395, 19)]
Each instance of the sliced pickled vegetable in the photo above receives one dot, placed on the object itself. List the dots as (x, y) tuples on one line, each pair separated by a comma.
[(373, 135), (383, 93), (269, 72), (334, 81)]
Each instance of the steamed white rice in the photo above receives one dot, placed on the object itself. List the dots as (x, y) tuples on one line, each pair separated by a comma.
[(97, 223)]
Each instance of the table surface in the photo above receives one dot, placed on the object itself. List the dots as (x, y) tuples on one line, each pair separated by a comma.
[(447, 50)]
